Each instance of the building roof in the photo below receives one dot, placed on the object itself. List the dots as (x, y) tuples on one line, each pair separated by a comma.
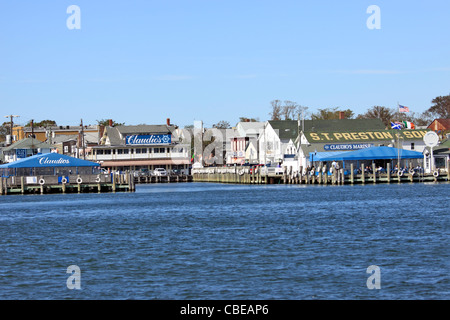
[(249, 127), (440, 124), (116, 135), (28, 143), (145, 129), (442, 148), (49, 160), (342, 125), (60, 138), (286, 129)]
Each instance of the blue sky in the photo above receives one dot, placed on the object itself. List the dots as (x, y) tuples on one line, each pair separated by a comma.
[(145, 61)]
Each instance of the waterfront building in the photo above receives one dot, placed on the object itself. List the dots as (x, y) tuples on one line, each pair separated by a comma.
[(244, 145), (48, 164), (142, 147), (277, 144), (25, 148), (92, 133), (441, 155), (324, 137), (440, 126)]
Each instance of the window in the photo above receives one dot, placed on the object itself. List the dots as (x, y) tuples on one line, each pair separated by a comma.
[(412, 146), (108, 151), (126, 151), (119, 151), (156, 150), (99, 151), (137, 151), (162, 150)]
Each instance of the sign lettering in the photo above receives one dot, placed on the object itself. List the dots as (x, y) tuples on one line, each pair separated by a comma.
[(45, 160), (21, 153), (353, 146), (148, 139), (364, 135)]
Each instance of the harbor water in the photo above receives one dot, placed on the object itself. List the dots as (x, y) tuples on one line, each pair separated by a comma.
[(219, 241)]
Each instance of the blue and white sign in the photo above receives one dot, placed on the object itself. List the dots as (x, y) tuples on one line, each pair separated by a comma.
[(148, 139), (21, 153), (352, 146)]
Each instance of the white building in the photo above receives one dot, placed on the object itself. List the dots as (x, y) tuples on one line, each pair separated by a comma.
[(142, 147), (277, 145)]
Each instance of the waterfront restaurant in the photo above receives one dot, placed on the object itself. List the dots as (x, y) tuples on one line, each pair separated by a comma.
[(139, 147), (328, 137), (49, 164)]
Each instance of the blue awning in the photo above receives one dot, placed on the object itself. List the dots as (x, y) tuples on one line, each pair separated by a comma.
[(49, 160), (319, 156), (375, 153)]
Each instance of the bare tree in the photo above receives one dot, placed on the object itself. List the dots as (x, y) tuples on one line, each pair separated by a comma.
[(288, 110), (276, 110)]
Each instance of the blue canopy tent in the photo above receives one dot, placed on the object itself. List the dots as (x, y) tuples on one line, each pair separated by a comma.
[(374, 153), (319, 156), (49, 164)]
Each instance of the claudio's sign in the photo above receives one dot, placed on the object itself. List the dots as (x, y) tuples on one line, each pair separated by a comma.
[(46, 160), (148, 139), (352, 146)]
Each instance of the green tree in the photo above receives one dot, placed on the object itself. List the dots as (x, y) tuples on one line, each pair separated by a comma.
[(4, 130), (440, 108), (222, 125), (105, 122), (331, 114), (379, 112), (245, 119), (43, 123)]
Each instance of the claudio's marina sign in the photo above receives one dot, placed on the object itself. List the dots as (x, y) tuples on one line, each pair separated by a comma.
[(148, 139)]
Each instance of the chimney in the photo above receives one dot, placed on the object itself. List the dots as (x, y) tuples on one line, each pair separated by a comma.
[(168, 121), (110, 122), (341, 115)]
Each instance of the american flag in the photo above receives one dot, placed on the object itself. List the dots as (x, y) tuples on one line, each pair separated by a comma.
[(402, 108)]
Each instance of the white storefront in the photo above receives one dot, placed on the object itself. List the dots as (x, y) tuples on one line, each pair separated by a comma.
[(142, 147)]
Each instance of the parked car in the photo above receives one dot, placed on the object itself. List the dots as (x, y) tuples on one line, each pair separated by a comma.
[(160, 172), (177, 172)]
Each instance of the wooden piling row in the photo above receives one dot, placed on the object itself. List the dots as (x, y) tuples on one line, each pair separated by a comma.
[(336, 178)]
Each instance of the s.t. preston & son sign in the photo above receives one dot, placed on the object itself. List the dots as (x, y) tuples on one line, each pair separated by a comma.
[(148, 139)]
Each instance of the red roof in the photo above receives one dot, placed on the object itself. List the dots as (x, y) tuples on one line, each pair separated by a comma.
[(440, 124)]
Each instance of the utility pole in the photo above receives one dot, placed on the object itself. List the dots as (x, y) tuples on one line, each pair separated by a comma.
[(82, 140), (12, 123)]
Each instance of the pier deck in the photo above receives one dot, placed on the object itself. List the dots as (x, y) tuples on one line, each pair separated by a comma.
[(244, 176), (71, 184)]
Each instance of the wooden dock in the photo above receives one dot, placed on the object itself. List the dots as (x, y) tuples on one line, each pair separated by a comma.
[(162, 179), (69, 184), (243, 175)]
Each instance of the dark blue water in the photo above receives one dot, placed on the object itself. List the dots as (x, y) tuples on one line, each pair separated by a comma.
[(214, 241)]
